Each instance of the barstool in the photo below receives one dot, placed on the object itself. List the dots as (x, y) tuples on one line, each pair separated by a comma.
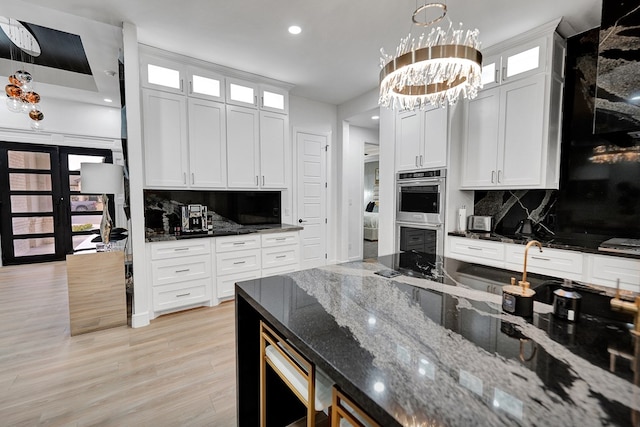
[(345, 412), (310, 386)]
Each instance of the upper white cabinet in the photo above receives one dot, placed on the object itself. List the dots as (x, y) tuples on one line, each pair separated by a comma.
[(205, 130), (184, 141), (164, 117), (421, 139), (243, 148), (205, 84), (512, 128), (257, 148)]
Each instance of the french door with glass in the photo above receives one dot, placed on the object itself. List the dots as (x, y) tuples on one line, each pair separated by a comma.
[(43, 213)]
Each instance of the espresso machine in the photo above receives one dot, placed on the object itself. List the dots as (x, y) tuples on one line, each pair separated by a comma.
[(194, 218)]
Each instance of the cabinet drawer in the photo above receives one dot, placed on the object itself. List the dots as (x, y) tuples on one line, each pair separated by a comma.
[(471, 250), (236, 262), (237, 243), (606, 270), (274, 271), (225, 284), (278, 256), (182, 294), (551, 262), (180, 270), (279, 239), (191, 247)]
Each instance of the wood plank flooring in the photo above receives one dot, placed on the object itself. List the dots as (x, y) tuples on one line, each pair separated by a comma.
[(179, 371)]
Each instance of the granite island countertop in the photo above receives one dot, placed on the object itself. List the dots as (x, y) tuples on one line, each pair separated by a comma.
[(414, 351)]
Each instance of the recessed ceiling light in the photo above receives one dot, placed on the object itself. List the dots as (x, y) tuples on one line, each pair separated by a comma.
[(375, 117), (108, 100), (294, 29)]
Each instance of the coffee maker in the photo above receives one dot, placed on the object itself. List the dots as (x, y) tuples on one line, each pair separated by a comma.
[(194, 218)]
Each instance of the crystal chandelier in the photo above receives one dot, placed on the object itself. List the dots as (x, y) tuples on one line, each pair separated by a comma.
[(21, 97), (435, 69)]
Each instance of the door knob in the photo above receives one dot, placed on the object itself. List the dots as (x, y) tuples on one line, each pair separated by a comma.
[(301, 221)]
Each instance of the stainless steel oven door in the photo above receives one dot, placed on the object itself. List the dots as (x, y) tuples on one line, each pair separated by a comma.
[(426, 238), (421, 201)]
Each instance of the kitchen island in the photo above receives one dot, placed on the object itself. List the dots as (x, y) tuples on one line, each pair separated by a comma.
[(416, 351)]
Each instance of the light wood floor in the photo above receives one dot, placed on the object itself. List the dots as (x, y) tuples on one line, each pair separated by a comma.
[(179, 371)]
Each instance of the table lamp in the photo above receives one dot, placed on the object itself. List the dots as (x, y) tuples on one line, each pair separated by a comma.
[(102, 178)]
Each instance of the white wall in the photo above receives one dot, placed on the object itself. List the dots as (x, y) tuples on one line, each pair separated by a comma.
[(350, 159), (387, 212), (316, 117)]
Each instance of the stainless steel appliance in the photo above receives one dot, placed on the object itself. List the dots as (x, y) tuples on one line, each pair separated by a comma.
[(194, 218), (420, 212), (479, 223), (421, 196)]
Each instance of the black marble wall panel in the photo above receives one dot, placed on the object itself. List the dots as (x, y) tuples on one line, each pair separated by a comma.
[(618, 82), (231, 208)]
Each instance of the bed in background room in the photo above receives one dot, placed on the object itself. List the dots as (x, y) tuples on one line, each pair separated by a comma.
[(371, 221)]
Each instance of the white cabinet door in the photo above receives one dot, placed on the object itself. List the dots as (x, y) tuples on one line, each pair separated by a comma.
[(610, 270), (205, 84), (274, 99), (408, 142), (524, 60), (161, 73), (274, 132), (165, 139), (207, 144), (242, 147), (550, 262), (522, 134), (477, 251), (241, 92), (435, 131), (481, 141)]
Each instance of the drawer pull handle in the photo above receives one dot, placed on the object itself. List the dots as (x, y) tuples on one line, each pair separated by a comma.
[(181, 249), (183, 271), (238, 243), (239, 262), (474, 248), (540, 258), (280, 239), (281, 256), (183, 295)]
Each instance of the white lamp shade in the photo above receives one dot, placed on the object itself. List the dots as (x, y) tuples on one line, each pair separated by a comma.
[(101, 178)]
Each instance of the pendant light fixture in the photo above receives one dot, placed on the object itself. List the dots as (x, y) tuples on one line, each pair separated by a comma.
[(434, 69), (21, 97)]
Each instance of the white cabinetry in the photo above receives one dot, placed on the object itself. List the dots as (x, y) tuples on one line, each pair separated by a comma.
[(550, 262), (202, 130), (477, 251), (165, 139), (601, 270), (180, 274), (608, 270), (243, 148), (184, 141), (280, 253), (421, 139), (257, 148), (238, 258), (512, 129)]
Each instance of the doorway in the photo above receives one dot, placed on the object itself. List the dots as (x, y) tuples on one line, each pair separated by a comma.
[(43, 214)]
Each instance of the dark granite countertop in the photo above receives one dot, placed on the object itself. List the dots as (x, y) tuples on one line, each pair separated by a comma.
[(415, 352), (577, 243), (219, 232)]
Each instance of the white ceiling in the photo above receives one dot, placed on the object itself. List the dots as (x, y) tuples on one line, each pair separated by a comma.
[(334, 59)]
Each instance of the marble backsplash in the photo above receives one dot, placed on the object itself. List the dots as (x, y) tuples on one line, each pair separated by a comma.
[(510, 208)]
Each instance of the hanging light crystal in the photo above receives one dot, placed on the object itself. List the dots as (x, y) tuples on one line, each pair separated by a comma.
[(435, 69), (20, 94)]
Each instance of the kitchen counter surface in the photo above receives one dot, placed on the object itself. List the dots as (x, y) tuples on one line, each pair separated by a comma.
[(414, 351), (219, 232), (579, 244)]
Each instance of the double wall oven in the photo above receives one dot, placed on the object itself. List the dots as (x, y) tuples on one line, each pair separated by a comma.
[(420, 212)]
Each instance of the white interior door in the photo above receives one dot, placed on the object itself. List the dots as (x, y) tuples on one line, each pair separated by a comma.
[(311, 198)]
